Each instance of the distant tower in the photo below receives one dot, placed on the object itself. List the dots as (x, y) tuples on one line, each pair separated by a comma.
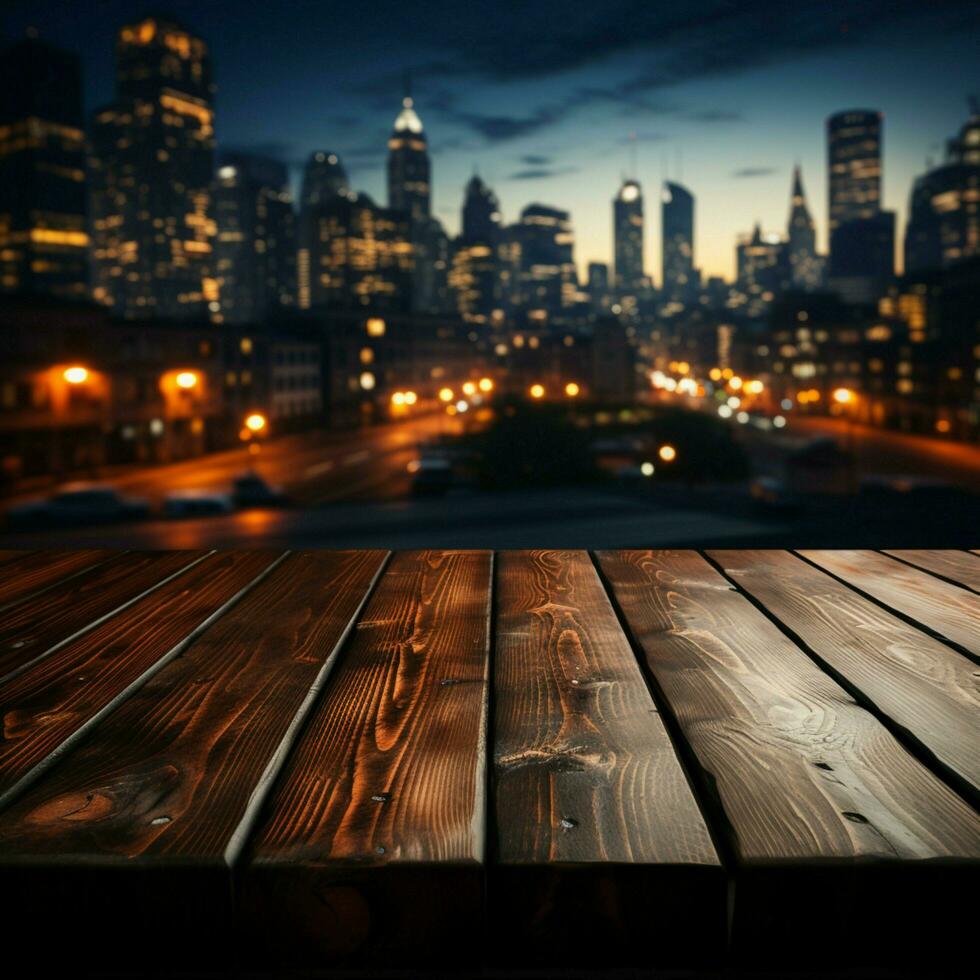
[(481, 212), (862, 236), (43, 236), (324, 182), (628, 237), (677, 218), (804, 267), (409, 172), (151, 171)]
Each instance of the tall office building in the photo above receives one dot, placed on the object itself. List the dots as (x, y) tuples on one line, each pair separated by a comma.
[(548, 278), (762, 269), (255, 248), (43, 235), (361, 256), (597, 286), (324, 180), (677, 222), (628, 238), (409, 172), (805, 266), (944, 209), (862, 236), (151, 176), (475, 278)]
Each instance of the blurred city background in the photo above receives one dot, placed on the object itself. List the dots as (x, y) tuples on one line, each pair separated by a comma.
[(580, 276)]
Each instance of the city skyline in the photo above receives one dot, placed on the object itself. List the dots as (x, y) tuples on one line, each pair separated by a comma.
[(735, 156)]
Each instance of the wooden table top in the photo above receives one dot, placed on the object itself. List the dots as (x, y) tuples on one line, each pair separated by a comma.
[(341, 758)]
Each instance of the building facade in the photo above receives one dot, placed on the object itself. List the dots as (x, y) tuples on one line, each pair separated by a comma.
[(805, 266), (679, 280), (43, 229), (255, 246), (628, 238), (152, 168)]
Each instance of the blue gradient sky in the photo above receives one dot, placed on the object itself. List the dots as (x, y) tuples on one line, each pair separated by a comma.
[(541, 98)]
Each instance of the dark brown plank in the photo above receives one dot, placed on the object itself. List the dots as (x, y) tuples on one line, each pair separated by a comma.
[(62, 695), (924, 686), (598, 831), (175, 775), (958, 566), (38, 570), (373, 843), (31, 629), (821, 803), (946, 609)]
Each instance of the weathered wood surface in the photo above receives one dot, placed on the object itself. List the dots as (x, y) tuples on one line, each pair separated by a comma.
[(922, 685), (810, 786), (30, 629), (961, 567), (946, 609), (38, 570), (586, 777), (175, 776), (374, 840), (63, 694)]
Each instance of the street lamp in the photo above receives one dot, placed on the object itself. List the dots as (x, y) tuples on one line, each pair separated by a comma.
[(75, 375), (186, 380), (572, 389), (667, 453), (536, 391), (255, 422)]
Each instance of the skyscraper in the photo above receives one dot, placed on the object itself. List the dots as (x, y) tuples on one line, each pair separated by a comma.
[(43, 236), (677, 222), (255, 249), (548, 279), (944, 208), (151, 177), (805, 268), (628, 238), (862, 236), (474, 278), (762, 269), (481, 212), (324, 180), (408, 164)]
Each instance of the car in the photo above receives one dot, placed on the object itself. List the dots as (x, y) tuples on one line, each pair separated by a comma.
[(431, 475), (79, 503), (197, 503), (251, 490)]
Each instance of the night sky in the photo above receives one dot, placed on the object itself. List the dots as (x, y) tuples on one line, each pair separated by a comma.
[(541, 97)]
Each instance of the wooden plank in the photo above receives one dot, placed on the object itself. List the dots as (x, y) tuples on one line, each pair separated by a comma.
[(823, 808), (372, 847), (30, 629), (926, 688), (960, 567), (598, 831), (945, 609), (174, 776), (38, 570), (64, 694)]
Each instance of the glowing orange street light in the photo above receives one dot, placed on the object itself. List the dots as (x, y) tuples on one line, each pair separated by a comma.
[(469, 388), (536, 391), (75, 375), (843, 396), (667, 453), (572, 389), (411, 397), (486, 385), (186, 379), (754, 387), (398, 398), (446, 394), (735, 382), (255, 422)]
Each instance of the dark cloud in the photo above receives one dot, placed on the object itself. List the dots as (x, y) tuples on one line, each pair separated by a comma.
[(535, 159), (540, 173), (754, 172), (714, 115)]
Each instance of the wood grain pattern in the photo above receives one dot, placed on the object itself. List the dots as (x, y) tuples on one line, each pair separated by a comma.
[(172, 777), (52, 701), (823, 808), (961, 567), (388, 777), (925, 687), (801, 770), (29, 629), (946, 609), (585, 776), (38, 570)]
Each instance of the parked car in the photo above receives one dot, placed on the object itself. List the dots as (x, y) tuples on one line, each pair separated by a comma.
[(250, 490), (432, 476), (78, 503), (197, 503)]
